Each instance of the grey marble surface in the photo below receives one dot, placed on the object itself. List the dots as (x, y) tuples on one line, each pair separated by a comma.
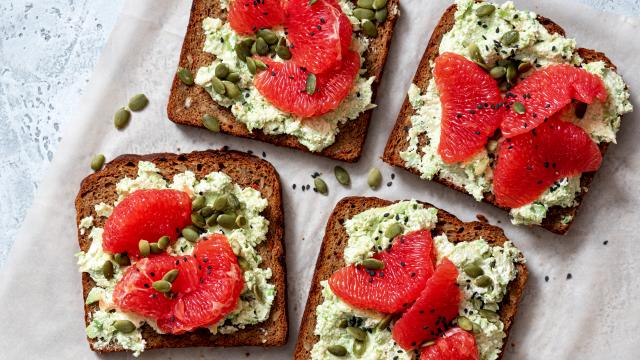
[(48, 49)]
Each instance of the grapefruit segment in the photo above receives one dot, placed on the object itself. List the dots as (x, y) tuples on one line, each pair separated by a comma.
[(248, 16), (547, 91), (456, 344), (146, 215), (530, 163), (319, 33), (429, 317), (283, 84), (407, 266), (470, 111)]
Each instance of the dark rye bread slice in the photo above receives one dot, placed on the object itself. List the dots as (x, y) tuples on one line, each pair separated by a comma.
[(397, 141), (330, 259), (245, 170), (187, 104)]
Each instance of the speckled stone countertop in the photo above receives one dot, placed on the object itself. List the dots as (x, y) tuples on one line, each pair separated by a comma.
[(47, 52)]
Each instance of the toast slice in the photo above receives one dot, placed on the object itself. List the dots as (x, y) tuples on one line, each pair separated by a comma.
[(397, 141), (245, 170), (335, 240), (187, 104)]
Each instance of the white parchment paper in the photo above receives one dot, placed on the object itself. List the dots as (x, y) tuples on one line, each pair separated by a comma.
[(593, 315)]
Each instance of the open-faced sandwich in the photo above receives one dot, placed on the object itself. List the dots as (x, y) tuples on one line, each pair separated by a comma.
[(405, 280), (295, 73), (182, 250), (507, 109)]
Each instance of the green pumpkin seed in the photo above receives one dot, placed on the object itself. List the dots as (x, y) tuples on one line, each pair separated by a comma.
[(369, 28), (343, 323), (374, 179), (222, 70), (138, 102), (232, 90), (365, 4), (258, 292), (198, 220), (190, 234), (510, 37), (162, 286), (171, 275), (393, 230), (512, 73), (465, 323), (144, 248), (241, 221), (206, 211), (243, 263), (320, 186), (310, 87), (122, 259), (364, 14), (198, 203), (226, 221), (429, 343), (211, 123), (474, 54), (473, 270), (243, 49), (233, 201), (342, 175), (211, 220), (154, 248), (220, 203), (384, 323), (485, 10), (218, 86), (379, 4), (519, 108), (107, 270), (337, 350), (498, 72), (524, 67), (121, 118), (483, 281), (357, 333), (311, 2), (269, 36), (185, 76), (124, 326), (97, 162), (381, 15), (489, 315), (163, 242), (261, 47), (260, 65), (358, 348), (251, 65), (372, 264), (283, 52), (234, 77)]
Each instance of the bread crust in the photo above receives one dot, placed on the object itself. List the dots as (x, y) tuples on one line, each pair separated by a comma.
[(397, 141), (245, 170), (330, 260), (349, 141)]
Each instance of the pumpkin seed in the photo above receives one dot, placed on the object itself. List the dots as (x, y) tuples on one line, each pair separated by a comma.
[(226, 221), (154, 248), (234, 77), (343, 323), (465, 323), (121, 118), (144, 248), (489, 315), (222, 70), (185, 76), (122, 259), (510, 37), (251, 65), (220, 203), (163, 242), (211, 123), (476, 328), (198, 220), (283, 52), (365, 4), (310, 87), (369, 29), (311, 2), (171, 275), (211, 220), (384, 323), (358, 348), (107, 270), (138, 102), (337, 350), (124, 326), (97, 162), (218, 86), (474, 53), (190, 234), (241, 221), (581, 109), (253, 49), (512, 73), (357, 333), (198, 203), (524, 67), (342, 175), (162, 286), (379, 4), (485, 10), (483, 281), (206, 211), (320, 186), (260, 65), (244, 264), (364, 14), (269, 36), (498, 72), (233, 201), (258, 292), (429, 343), (232, 90), (519, 108), (261, 47), (243, 49), (372, 264), (473, 270), (374, 179), (381, 15), (393, 230)]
